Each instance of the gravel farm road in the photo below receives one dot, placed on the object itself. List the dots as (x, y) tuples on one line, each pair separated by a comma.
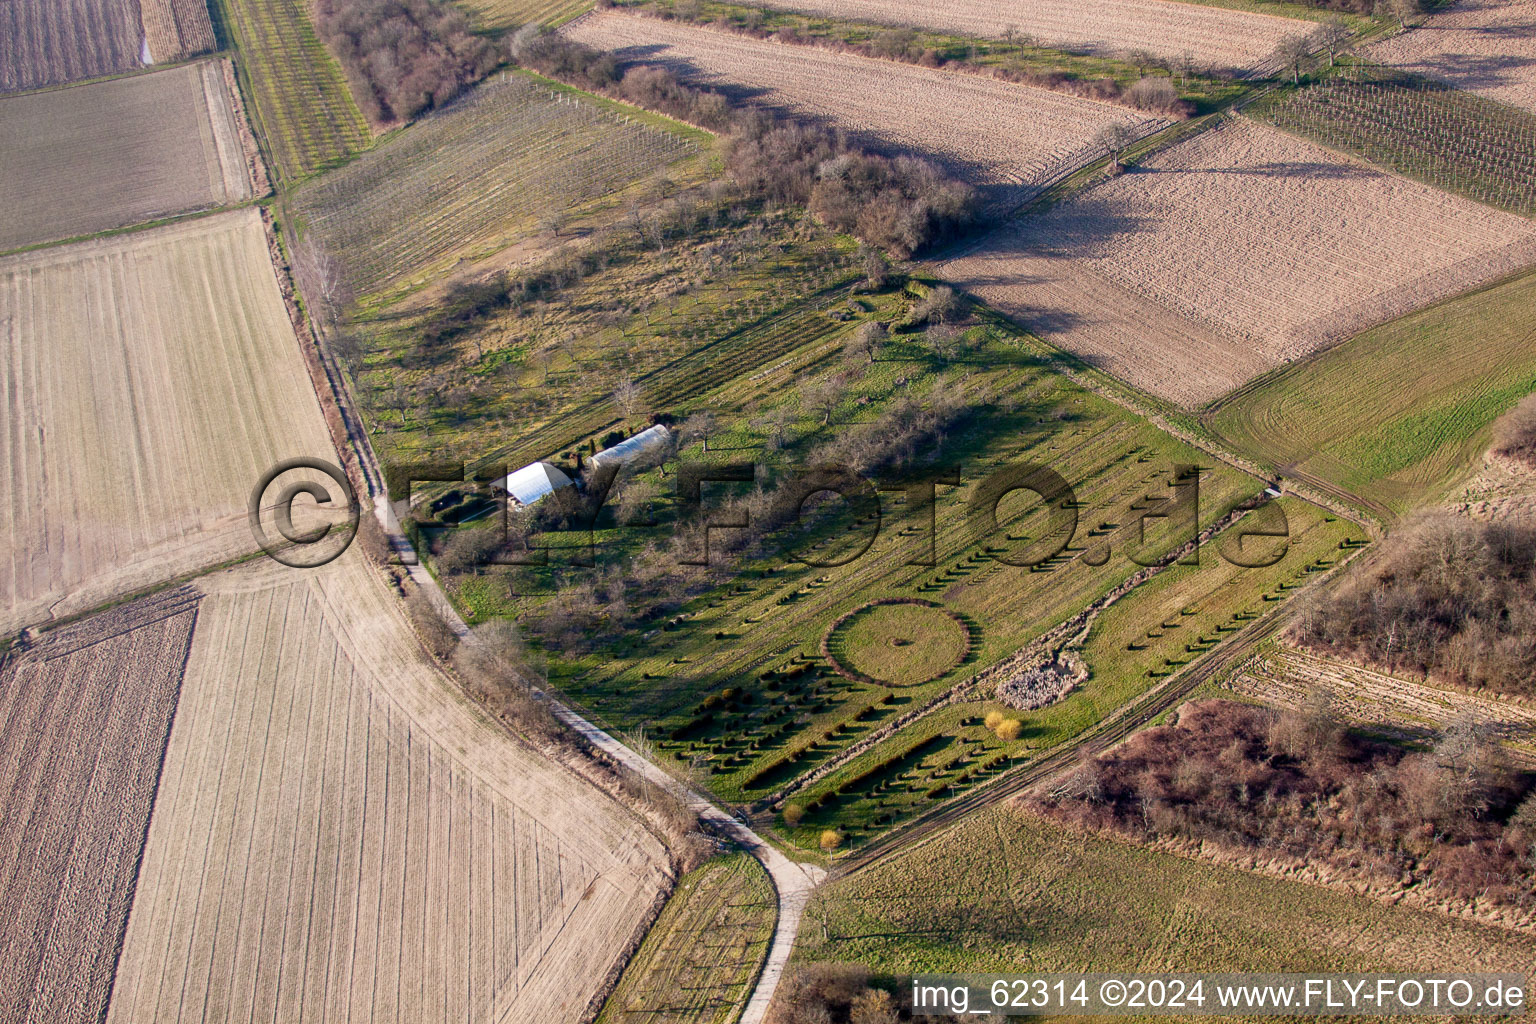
[(792, 881)]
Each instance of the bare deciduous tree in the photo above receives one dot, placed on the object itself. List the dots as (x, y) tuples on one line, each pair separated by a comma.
[(865, 340), (822, 396), (1114, 139), (320, 280), (626, 396), (1331, 36), (1292, 53)]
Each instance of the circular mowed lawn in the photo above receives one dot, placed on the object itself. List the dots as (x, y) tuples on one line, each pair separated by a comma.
[(901, 643)]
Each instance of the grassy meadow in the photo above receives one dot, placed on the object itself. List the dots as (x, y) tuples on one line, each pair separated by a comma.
[(1008, 891), (1436, 381), (1156, 628)]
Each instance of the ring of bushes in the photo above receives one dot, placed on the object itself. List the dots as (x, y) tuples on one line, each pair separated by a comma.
[(851, 673)]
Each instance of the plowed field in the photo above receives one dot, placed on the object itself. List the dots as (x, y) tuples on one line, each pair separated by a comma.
[(47, 42), (1487, 46), (340, 835), (86, 710), (1008, 139), (146, 383), (1212, 37), (1268, 246), (106, 155)]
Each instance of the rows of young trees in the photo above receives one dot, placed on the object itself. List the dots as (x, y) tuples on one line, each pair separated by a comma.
[(1298, 784), (403, 57), (1457, 140), (900, 204), (1447, 598)]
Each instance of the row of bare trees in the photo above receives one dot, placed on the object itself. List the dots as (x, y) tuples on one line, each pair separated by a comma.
[(900, 204)]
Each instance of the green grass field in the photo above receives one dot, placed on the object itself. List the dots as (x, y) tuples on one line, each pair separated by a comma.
[(1011, 892), (301, 108), (1435, 381), (705, 323), (1155, 629), (700, 959), (759, 632)]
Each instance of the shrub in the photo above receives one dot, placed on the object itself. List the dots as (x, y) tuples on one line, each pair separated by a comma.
[(830, 840), (402, 57), (897, 203), (1157, 94), (1446, 597), (1514, 435), (793, 814), (993, 720), (1298, 784), (1009, 729)]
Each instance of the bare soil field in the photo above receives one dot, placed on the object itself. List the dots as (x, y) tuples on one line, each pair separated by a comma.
[(106, 155), (1213, 37), (1487, 46), (1288, 677), (1267, 246), (146, 383), (1012, 140), (341, 835), (87, 710), (49, 42)]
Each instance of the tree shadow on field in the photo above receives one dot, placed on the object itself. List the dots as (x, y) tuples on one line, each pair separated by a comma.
[(1483, 71), (995, 195), (1314, 170)]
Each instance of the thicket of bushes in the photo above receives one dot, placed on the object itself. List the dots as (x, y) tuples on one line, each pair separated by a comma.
[(1296, 783), (402, 57), (1514, 436), (1445, 597), (897, 203)]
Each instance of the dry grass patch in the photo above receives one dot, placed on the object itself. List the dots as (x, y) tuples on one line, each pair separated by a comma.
[(341, 834), (150, 380), (86, 711), (1487, 46), (1012, 139), (700, 958), (504, 14), (1007, 887), (106, 155), (1268, 246), (1210, 37), (476, 177), (1290, 678)]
